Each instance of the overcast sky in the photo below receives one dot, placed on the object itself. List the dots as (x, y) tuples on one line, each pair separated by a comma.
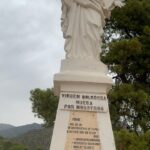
[(31, 48)]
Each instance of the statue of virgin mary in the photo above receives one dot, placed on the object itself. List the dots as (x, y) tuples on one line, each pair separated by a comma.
[(82, 26)]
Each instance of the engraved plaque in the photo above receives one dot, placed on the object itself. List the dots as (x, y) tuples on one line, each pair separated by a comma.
[(83, 132), (83, 102)]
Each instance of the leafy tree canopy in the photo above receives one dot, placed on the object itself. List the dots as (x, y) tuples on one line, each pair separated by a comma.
[(44, 105), (128, 58), (7, 145), (131, 141)]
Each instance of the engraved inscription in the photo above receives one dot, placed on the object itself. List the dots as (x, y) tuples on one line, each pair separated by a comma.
[(84, 102), (83, 132)]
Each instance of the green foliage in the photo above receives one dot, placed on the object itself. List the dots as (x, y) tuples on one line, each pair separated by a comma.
[(128, 58), (131, 19), (126, 140), (7, 145), (44, 104), (129, 107), (123, 56), (36, 139)]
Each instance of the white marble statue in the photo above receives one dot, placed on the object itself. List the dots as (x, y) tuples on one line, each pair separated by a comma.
[(82, 26)]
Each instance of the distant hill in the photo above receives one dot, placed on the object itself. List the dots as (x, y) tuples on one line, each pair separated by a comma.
[(35, 139), (17, 131), (5, 126)]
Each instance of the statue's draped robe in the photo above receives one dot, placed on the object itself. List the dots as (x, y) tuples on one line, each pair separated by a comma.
[(82, 25)]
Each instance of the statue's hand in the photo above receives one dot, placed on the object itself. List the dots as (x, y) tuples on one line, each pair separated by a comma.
[(119, 3)]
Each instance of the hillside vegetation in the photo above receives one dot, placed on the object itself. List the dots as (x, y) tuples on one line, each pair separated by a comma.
[(26, 137), (7, 145), (11, 131), (36, 140)]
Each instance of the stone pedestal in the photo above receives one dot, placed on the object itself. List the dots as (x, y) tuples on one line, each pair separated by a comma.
[(83, 119)]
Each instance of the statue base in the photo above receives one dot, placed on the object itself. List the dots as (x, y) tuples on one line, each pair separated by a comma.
[(83, 119), (81, 71)]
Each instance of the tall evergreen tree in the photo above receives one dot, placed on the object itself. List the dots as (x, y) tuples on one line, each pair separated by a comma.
[(128, 58)]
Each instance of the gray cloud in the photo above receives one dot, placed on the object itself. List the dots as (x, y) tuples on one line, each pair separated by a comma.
[(31, 47)]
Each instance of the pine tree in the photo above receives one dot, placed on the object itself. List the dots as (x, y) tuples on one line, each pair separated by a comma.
[(128, 58), (127, 34)]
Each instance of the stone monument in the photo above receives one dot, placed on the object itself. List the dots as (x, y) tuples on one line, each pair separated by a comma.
[(83, 119)]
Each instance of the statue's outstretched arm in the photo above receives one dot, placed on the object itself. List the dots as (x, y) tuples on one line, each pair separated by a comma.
[(119, 3)]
